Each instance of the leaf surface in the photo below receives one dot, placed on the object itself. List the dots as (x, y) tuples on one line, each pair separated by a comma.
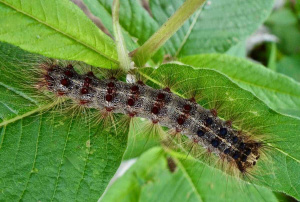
[(279, 92), (220, 25), (150, 179), (57, 29)]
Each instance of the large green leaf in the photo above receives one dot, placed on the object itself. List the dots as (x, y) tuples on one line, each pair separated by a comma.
[(57, 29), (281, 133), (137, 24), (150, 179), (277, 91), (48, 155), (220, 25)]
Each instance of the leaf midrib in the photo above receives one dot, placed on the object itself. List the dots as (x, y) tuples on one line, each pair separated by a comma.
[(189, 179), (63, 33)]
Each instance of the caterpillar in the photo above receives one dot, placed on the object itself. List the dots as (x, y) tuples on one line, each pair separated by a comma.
[(160, 106)]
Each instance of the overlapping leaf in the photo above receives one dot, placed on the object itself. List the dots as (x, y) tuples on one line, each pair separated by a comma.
[(277, 91), (156, 177), (220, 25), (57, 29)]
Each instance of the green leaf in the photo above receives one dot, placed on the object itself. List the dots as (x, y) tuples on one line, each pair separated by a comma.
[(57, 29), (290, 66), (49, 155), (277, 91), (150, 179), (280, 171), (136, 23), (220, 25)]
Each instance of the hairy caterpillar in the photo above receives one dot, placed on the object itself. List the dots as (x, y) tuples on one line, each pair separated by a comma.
[(35, 75), (160, 106)]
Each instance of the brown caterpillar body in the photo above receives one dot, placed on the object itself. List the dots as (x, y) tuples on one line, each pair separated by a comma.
[(161, 106)]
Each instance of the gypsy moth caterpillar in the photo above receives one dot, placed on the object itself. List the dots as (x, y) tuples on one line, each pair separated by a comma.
[(206, 98)]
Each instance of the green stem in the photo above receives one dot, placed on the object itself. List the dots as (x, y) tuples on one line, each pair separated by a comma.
[(119, 39), (142, 54)]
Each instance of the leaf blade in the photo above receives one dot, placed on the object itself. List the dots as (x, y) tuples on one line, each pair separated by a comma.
[(255, 78), (48, 27), (221, 24), (194, 182)]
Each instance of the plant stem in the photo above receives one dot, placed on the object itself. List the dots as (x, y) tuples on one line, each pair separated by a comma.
[(119, 39), (142, 54)]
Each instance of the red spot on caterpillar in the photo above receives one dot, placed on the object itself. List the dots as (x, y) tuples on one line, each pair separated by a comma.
[(131, 114), (140, 82), (228, 123), (87, 80), (161, 96), (60, 93), (65, 82), (187, 108), (110, 90), (68, 73), (192, 99), (134, 88), (181, 120), (109, 109), (155, 121), (91, 74), (167, 89), (178, 130), (214, 112), (108, 97), (130, 102), (83, 102), (84, 91), (111, 84), (47, 77), (70, 66), (155, 110), (195, 140)]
